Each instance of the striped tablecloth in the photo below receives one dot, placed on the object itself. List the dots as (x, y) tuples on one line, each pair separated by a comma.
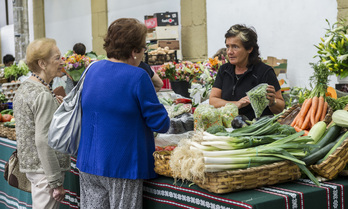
[(11, 197), (301, 194)]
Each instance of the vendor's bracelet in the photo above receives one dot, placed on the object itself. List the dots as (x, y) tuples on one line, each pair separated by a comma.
[(274, 103)]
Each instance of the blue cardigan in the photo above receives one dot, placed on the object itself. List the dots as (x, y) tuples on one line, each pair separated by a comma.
[(120, 112)]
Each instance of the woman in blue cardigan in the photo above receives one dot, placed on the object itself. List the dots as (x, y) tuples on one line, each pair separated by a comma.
[(120, 112)]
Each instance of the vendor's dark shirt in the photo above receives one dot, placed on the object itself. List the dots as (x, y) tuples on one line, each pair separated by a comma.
[(147, 68), (233, 89)]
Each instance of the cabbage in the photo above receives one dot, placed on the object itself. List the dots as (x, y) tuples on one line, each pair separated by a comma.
[(228, 112), (206, 116)]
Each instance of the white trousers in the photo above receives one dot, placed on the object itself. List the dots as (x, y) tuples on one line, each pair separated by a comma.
[(41, 193)]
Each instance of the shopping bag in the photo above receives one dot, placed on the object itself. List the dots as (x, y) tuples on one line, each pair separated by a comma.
[(65, 129), (14, 177)]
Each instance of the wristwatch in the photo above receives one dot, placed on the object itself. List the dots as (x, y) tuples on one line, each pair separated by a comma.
[(274, 102)]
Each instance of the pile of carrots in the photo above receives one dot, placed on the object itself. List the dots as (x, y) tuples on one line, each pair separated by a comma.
[(312, 111)]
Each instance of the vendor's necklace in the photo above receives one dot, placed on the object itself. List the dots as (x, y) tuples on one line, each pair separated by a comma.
[(44, 83), (238, 77)]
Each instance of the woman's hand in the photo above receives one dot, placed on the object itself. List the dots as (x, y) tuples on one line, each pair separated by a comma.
[(243, 102), (58, 193), (59, 99), (271, 94)]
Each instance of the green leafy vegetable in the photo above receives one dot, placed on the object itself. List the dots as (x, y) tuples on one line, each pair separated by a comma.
[(228, 112), (258, 99)]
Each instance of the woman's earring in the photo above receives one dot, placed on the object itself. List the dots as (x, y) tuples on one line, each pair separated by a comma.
[(135, 58)]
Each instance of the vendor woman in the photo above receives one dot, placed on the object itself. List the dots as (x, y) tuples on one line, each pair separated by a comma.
[(244, 71)]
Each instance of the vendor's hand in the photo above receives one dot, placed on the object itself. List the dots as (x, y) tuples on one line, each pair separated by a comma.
[(58, 193), (271, 94), (243, 102), (59, 99)]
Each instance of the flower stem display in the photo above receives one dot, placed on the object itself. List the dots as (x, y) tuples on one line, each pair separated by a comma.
[(333, 50)]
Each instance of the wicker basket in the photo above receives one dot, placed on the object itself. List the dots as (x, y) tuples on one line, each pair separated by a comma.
[(5, 131), (289, 115), (2, 130), (11, 133), (250, 178), (334, 164), (162, 166), (343, 173), (230, 181)]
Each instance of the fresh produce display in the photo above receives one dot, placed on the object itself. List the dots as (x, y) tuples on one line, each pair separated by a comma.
[(3, 98), (15, 71), (258, 99), (206, 116), (314, 108), (242, 148), (337, 104)]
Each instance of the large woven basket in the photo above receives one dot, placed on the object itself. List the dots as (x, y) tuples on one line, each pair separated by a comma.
[(162, 166), (230, 181), (2, 130), (11, 133), (250, 178), (334, 164)]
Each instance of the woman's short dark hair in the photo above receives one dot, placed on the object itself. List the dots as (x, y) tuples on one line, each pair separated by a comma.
[(79, 48), (124, 35), (248, 38), (8, 58)]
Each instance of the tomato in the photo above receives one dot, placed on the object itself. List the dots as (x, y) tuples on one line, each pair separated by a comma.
[(6, 118), (158, 148), (169, 148)]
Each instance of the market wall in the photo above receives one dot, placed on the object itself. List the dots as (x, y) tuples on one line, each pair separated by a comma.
[(68, 22), (286, 29)]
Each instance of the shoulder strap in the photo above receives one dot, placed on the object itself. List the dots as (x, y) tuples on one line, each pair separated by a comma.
[(79, 84)]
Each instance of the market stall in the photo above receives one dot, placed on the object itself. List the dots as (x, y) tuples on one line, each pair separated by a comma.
[(161, 193), (11, 197)]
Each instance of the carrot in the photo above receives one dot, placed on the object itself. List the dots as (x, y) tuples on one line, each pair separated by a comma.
[(297, 129), (315, 101), (305, 132), (295, 120), (306, 121), (324, 111), (320, 109), (304, 111)]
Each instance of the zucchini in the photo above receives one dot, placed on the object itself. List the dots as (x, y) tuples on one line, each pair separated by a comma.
[(320, 153), (338, 143), (10, 124), (317, 131), (340, 117), (330, 135), (7, 111)]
